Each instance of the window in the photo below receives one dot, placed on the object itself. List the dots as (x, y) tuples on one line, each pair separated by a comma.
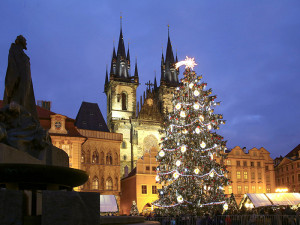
[(259, 176), (95, 157), (246, 189), (126, 171), (144, 189), (238, 163), (239, 189), (252, 164), (259, 189), (228, 162), (153, 168), (116, 158), (292, 167), (88, 156), (245, 175), (82, 157), (124, 144), (253, 175), (253, 189), (229, 189), (288, 180), (154, 189), (245, 163), (258, 164), (117, 183), (268, 190), (238, 175), (125, 157), (293, 178), (281, 169), (66, 148), (287, 168), (147, 168), (124, 101), (282, 180), (109, 184), (254, 154), (229, 175), (95, 183), (298, 164), (109, 159), (102, 183), (268, 178), (267, 168)]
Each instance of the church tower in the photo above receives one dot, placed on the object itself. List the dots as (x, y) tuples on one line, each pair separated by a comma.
[(120, 87), (169, 77)]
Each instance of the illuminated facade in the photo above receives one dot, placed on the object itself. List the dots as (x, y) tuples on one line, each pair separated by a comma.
[(287, 171), (139, 122), (140, 185), (251, 172)]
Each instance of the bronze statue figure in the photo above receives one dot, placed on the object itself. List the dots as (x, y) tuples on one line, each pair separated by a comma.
[(18, 83)]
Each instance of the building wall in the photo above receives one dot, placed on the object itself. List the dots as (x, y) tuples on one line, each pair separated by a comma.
[(287, 174), (251, 172)]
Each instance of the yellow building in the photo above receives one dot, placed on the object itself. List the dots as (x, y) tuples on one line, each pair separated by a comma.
[(250, 172), (287, 171), (140, 185)]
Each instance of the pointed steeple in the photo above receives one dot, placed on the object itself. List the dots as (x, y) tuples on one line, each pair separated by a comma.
[(169, 53), (155, 83), (106, 76), (176, 57), (121, 47), (136, 74), (128, 55)]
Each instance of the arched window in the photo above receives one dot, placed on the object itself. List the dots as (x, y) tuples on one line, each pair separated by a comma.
[(82, 156), (109, 184), (124, 101), (95, 157), (102, 183), (109, 159), (116, 158), (88, 156), (125, 171), (95, 184), (124, 144), (102, 158)]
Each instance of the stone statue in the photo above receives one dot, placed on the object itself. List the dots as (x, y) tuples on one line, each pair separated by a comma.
[(18, 83), (19, 123)]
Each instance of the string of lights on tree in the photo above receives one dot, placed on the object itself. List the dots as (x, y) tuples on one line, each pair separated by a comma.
[(191, 168)]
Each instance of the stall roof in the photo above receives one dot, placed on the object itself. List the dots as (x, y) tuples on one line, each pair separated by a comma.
[(108, 203), (273, 199)]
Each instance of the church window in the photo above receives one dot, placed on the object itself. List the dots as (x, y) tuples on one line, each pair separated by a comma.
[(95, 184), (102, 158), (82, 156), (124, 144), (109, 160), (95, 157), (109, 184), (124, 101)]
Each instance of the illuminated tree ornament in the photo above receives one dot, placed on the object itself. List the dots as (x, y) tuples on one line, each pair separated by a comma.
[(182, 114), (211, 174), (178, 106), (176, 175), (188, 62), (196, 171), (209, 127), (225, 206), (183, 148), (196, 106), (157, 178), (161, 153), (191, 85), (184, 131), (179, 199), (196, 93), (202, 145), (178, 163), (197, 130), (201, 118)]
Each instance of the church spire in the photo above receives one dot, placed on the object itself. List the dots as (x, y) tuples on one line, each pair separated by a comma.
[(128, 55)]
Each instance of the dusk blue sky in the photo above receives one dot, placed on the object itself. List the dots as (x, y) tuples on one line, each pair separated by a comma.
[(247, 52)]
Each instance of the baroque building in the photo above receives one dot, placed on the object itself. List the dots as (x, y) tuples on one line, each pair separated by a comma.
[(138, 121), (287, 171)]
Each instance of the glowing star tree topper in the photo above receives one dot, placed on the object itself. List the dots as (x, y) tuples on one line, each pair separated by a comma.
[(188, 62)]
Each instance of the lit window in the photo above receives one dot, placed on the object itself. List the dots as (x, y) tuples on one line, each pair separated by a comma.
[(66, 148), (229, 189), (82, 157), (268, 190), (246, 189), (144, 189), (239, 189), (154, 189), (109, 184), (95, 184), (95, 157), (228, 162), (259, 189), (253, 189), (245, 175), (238, 175)]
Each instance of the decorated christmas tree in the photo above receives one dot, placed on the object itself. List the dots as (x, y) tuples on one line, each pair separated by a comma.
[(191, 168), (134, 210)]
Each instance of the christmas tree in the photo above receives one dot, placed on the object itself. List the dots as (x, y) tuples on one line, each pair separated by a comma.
[(134, 210), (191, 168)]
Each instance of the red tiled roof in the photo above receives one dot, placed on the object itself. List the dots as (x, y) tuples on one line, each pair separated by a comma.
[(45, 121)]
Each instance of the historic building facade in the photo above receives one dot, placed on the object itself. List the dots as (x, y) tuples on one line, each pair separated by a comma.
[(287, 171), (140, 185), (250, 172), (139, 122)]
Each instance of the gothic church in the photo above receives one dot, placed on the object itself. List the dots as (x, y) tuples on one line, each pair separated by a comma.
[(139, 122)]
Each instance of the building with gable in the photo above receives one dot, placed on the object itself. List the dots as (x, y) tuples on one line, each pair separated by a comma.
[(139, 122), (287, 171)]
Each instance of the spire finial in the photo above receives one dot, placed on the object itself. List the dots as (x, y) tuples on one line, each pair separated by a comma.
[(168, 30), (121, 20)]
